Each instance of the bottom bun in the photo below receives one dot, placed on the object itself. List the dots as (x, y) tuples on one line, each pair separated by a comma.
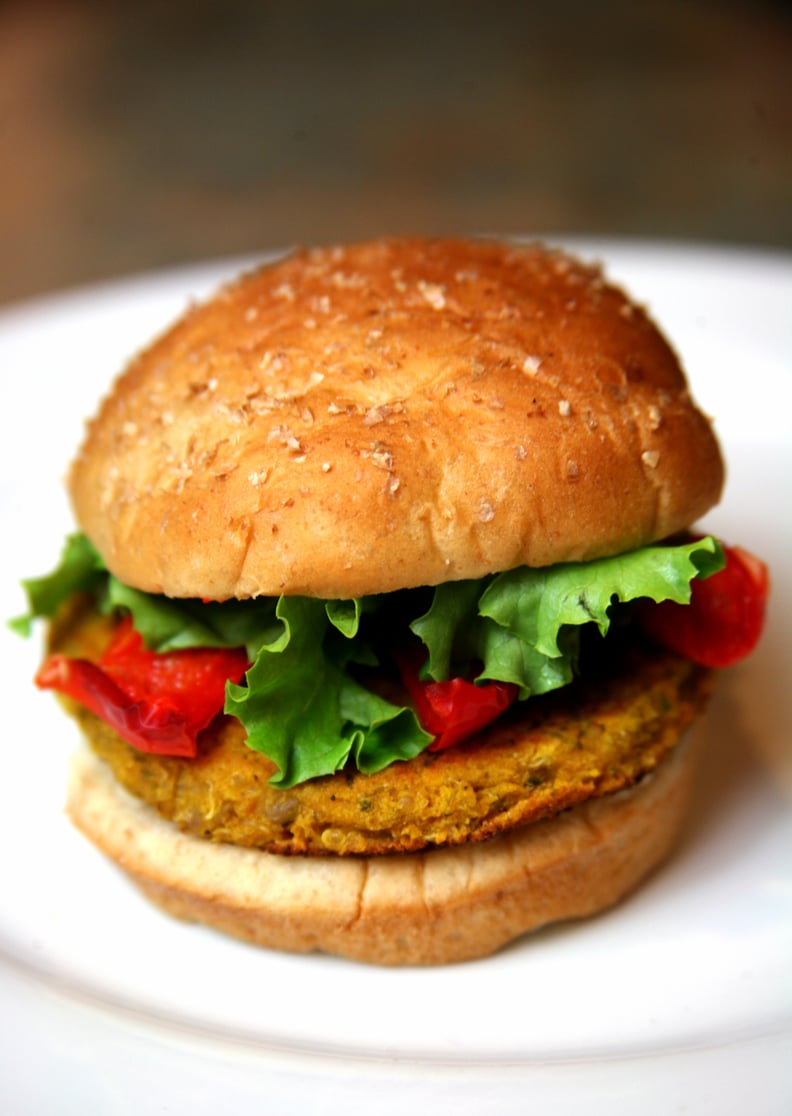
[(423, 908)]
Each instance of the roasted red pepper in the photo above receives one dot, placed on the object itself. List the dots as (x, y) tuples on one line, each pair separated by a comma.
[(455, 709), (158, 702), (724, 620)]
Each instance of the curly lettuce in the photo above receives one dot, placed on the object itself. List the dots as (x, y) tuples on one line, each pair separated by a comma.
[(302, 703)]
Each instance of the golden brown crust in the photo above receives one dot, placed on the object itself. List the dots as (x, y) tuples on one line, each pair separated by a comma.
[(355, 420), (424, 908)]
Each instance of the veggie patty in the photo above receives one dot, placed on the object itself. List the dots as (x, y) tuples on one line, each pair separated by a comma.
[(604, 732)]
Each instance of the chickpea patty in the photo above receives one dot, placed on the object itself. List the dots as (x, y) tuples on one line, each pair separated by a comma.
[(599, 735)]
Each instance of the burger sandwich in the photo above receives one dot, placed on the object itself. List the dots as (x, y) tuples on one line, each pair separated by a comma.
[(385, 621)]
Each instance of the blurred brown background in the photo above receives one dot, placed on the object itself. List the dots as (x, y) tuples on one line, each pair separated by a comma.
[(142, 134)]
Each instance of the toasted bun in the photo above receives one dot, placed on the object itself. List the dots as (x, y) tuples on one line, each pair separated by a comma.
[(404, 412), (424, 908)]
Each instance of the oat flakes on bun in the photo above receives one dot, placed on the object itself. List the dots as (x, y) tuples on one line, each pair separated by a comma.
[(385, 620)]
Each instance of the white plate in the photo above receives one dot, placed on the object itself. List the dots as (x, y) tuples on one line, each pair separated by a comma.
[(680, 998)]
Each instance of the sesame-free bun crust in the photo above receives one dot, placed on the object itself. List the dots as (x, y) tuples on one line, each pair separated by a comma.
[(403, 412), (425, 908)]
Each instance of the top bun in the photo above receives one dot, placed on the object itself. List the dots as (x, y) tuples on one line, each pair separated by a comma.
[(355, 420)]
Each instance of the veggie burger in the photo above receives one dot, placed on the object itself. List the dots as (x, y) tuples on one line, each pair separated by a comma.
[(385, 621)]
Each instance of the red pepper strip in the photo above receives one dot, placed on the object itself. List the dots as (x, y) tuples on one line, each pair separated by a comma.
[(724, 620), (156, 702), (455, 709)]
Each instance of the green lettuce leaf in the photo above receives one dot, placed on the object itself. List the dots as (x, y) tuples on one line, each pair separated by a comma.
[(461, 639), (167, 624), (307, 714), (522, 626), (80, 570), (535, 605)]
